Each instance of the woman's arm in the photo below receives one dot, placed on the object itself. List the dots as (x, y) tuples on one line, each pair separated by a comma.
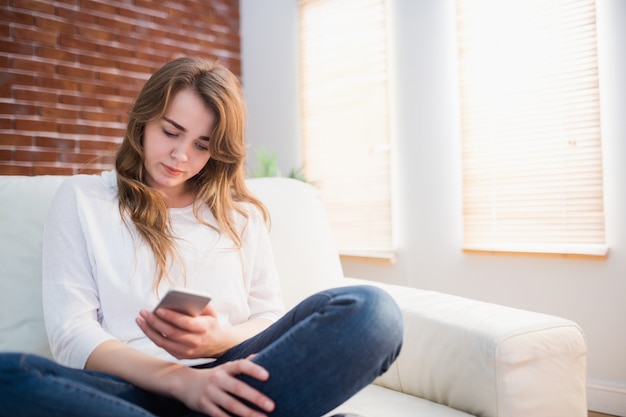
[(210, 391)]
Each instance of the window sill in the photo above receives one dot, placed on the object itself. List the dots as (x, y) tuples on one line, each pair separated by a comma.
[(378, 257), (597, 252)]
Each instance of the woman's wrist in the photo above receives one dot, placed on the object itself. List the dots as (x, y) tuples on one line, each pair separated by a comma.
[(176, 383)]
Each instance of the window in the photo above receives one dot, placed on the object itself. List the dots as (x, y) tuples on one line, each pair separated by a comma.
[(530, 118), (345, 119)]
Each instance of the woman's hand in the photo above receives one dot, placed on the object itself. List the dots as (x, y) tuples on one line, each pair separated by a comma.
[(213, 390), (183, 336)]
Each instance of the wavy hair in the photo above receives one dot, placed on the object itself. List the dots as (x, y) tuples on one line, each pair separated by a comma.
[(221, 182)]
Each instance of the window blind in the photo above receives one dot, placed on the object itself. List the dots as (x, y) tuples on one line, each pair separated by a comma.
[(345, 119), (530, 119)]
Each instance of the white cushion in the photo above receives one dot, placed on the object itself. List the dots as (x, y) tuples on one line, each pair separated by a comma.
[(306, 252), (24, 202), (376, 401)]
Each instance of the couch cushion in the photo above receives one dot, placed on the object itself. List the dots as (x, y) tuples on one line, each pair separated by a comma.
[(304, 246), (376, 401), (24, 202)]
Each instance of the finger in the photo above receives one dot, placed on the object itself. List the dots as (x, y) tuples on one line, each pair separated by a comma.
[(165, 327), (252, 369), (235, 390), (233, 404), (180, 321)]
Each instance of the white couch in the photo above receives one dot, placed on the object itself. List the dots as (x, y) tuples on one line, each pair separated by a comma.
[(460, 357)]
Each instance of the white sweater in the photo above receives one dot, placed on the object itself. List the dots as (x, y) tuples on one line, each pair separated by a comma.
[(98, 272)]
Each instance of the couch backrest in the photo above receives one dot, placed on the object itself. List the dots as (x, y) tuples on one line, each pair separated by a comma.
[(24, 202), (304, 249)]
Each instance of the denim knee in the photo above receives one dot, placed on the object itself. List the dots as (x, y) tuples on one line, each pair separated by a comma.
[(378, 319)]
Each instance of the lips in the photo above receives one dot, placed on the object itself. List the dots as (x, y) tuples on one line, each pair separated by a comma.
[(172, 170)]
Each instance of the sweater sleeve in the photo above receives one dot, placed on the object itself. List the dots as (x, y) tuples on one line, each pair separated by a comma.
[(70, 294)]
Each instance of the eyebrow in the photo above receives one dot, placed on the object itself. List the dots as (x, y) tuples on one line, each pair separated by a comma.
[(181, 128)]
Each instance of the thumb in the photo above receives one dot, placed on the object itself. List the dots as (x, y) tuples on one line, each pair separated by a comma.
[(208, 310)]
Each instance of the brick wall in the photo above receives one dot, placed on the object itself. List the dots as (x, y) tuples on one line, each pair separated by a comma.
[(70, 69)]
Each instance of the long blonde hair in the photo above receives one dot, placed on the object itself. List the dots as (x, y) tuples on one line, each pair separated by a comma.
[(221, 182)]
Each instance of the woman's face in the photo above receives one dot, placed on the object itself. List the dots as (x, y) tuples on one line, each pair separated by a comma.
[(176, 146)]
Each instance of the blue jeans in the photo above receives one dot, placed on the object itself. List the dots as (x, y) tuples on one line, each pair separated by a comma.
[(318, 355)]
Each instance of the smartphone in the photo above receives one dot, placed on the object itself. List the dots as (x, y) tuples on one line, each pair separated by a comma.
[(184, 301)]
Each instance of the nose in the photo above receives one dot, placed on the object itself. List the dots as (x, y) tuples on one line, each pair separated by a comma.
[(179, 153)]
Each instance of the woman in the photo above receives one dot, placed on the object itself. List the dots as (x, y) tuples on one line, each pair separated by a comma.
[(176, 212)]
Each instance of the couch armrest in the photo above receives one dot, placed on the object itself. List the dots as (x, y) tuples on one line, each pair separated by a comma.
[(486, 359)]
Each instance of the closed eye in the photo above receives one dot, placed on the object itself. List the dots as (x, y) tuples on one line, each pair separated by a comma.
[(169, 134), (201, 146)]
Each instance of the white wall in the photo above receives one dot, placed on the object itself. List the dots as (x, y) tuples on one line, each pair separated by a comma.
[(270, 77), (428, 183)]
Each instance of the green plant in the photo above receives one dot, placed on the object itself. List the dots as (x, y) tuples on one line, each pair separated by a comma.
[(268, 167)]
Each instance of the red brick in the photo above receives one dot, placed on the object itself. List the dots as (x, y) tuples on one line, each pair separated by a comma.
[(36, 155), (35, 125), (6, 155), (34, 5), (75, 71), (139, 42), (136, 67), (98, 145), (6, 123), (78, 100), (34, 95), (56, 53), (16, 140), (79, 157), (99, 116), (64, 145), (41, 36), (55, 25), (12, 169), (17, 17), (112, 132), (42, 169), (17, 47), (115, 24), (119, 52), (117, 79), (17, 109), (56, 83), (77, 16), (92, 33), (99, 6), (146, 4), (76, 129), (91, 171), (6, 91), (12, 78), (105, 89), (116, 104), (72, 42), (98, 61), (33, 65), (58, 113), (131, 13)]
